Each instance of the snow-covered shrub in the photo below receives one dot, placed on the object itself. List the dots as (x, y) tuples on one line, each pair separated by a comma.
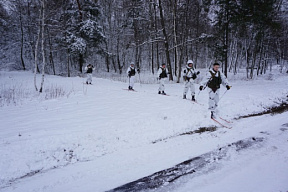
[(13, 94), (270, 77), (55, 91)]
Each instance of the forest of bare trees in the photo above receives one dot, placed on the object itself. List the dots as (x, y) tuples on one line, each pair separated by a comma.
[(61, 36)]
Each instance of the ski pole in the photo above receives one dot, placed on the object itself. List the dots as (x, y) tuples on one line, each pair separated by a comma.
[(198, 94), (204, 87), (140, 80), (223, 95)]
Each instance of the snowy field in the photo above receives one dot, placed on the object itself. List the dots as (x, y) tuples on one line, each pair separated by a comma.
[(92, 138)]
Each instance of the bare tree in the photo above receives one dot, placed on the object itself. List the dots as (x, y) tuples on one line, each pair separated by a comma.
[(36, 50), (146, 32), (22, 36), (166, 40), (43, 45)]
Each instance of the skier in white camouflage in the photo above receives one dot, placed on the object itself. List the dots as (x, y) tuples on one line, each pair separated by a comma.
[(214, 78), (162, 76), (131, 71), (189, 76), (89, 69)]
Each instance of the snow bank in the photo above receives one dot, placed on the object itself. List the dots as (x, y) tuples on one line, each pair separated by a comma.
[(91, 122)]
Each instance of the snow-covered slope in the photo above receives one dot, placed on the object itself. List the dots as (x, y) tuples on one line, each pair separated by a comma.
[(98, 137)]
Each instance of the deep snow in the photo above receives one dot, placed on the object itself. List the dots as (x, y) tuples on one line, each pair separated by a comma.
[(98, 137)]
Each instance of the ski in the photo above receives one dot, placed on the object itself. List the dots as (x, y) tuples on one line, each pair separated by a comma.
[(194, 102), (130, 90), (221, 123), (225, 120), (163, 94), (198, 103)]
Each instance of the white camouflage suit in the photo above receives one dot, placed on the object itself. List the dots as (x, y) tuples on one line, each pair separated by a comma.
[(89, 73), (131, 71), (189, 82), (214, 92), (161, 72)]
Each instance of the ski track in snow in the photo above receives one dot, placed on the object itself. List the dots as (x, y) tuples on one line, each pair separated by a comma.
[(101, 136)]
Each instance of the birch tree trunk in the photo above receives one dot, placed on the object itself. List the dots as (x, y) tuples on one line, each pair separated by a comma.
[(36, 50), (42, 45), (176, 54), (157, 44)]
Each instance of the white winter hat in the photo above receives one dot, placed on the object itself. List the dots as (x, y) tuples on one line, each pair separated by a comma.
[(132, 63), (189, 61)]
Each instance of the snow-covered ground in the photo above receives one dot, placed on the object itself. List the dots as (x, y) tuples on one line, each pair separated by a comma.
[(98, 137)]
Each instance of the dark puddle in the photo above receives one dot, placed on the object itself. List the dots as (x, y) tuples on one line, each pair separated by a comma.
[(199, 131), (194, 167), (273, 111)]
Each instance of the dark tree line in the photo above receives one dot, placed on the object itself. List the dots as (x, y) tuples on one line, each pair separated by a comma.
[(249, 34)]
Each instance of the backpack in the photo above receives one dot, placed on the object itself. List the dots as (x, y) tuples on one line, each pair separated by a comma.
[(215, 82), (132, 72), (89, 70), (163, 74)]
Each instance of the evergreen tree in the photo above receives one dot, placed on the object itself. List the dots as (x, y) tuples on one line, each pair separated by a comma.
[(226, 12), (83, 33)]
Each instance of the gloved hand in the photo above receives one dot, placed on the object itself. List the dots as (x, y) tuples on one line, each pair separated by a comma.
[(201, 88), (138, 70), (198, 72), (228, 87), (184, 71), (194, 76), (185, 78)]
